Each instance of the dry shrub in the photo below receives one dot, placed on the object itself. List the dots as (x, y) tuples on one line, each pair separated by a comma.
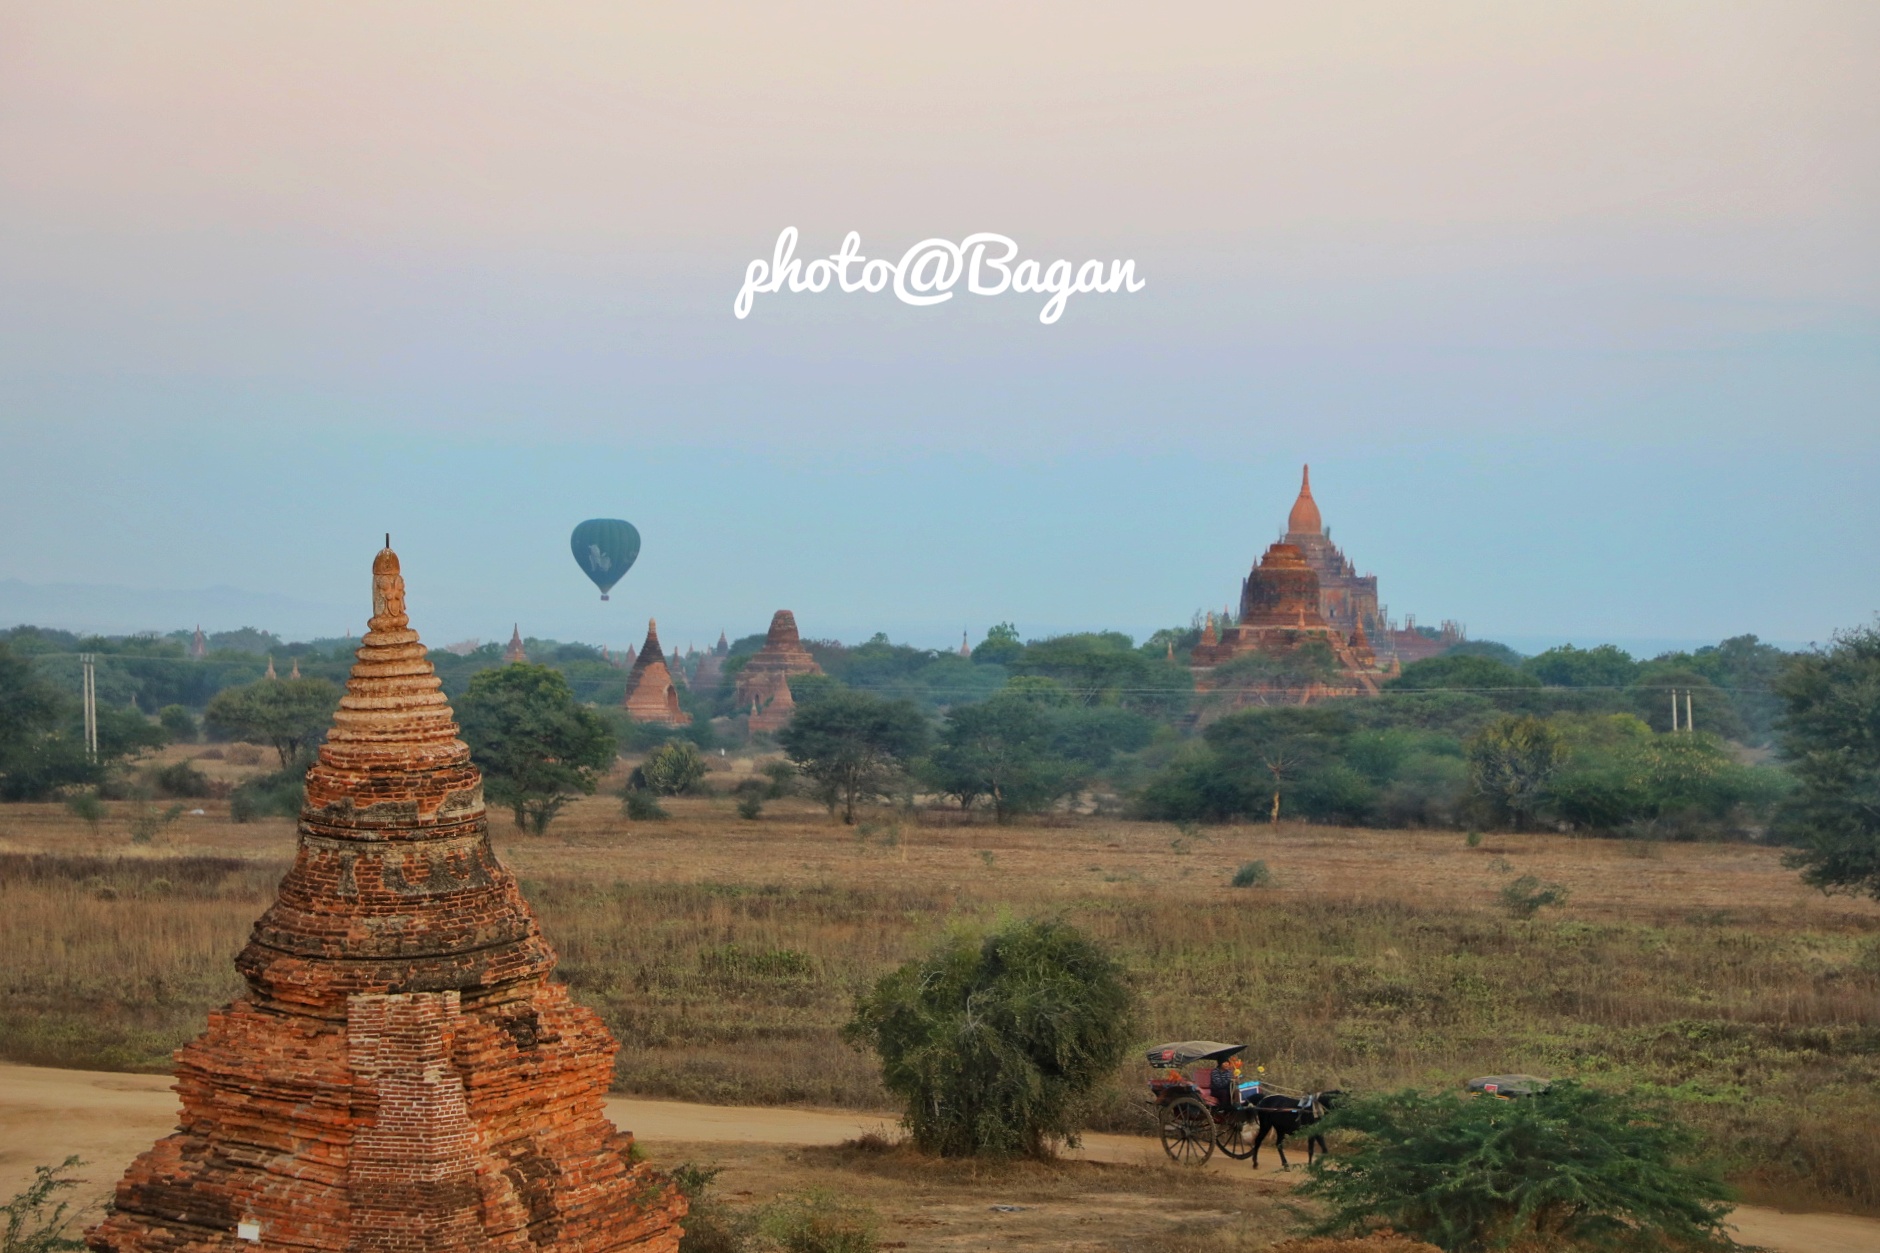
[(243, 754)]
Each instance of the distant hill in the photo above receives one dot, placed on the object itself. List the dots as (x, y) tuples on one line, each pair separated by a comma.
[(115, 610)]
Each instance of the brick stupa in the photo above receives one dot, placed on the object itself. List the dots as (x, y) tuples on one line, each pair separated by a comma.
[(651, 694), (402, 1075), (764, 683)]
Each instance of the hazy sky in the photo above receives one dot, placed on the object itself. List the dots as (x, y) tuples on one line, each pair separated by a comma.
[(1574, 308)]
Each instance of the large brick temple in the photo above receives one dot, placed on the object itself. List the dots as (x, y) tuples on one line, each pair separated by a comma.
[(1304, 594), (402, 1074)]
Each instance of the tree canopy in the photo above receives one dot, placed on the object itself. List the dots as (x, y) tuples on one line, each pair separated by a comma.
[(1830, 735), (853, 746), (291, 716), (1001, 750), (537, 747)]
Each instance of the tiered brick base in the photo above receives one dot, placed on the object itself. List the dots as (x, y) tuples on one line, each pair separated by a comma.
[(402, 1075)]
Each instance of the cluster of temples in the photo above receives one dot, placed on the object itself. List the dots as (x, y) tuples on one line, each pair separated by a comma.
[(1313, 622), (763, 684)]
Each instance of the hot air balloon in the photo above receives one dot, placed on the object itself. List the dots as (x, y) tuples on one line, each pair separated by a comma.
[(606, 549)]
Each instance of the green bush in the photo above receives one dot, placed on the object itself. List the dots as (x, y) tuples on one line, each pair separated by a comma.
[(710, 1225), (1253, 874), (817, 1222), (782, 776), (996, 1044), (1571, 1169), (674, 769), (181, 781), (147, 821), (641, 805), (87, 805), (178, 723), (276, 795), (1527, 896)]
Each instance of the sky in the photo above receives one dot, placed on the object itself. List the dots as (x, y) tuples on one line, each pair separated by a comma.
[(1574, 309)]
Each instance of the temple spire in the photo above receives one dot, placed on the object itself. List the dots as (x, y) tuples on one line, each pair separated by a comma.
[(1304, 519)]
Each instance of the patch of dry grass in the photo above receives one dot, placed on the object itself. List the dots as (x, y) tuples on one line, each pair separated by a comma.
[(725, 953)]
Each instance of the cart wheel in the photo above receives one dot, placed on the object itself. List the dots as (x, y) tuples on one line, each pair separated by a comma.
[(1187, 1131), (1235, 1136)]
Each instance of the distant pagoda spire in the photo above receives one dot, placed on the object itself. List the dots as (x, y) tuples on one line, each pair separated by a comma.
[(514, 653), (271, 673)]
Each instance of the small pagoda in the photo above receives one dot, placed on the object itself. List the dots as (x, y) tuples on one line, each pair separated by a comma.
[(402, 1074), (652, 696), (763, 688)]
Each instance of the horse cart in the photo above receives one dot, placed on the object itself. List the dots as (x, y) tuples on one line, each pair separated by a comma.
[(1204, 1107)]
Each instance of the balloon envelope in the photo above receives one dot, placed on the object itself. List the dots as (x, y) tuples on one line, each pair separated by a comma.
[(606, 549)]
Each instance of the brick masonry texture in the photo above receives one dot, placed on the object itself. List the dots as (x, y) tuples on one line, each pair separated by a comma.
[(402, 1075)]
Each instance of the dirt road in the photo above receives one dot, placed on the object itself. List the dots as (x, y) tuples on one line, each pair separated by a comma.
[(48, 1115)]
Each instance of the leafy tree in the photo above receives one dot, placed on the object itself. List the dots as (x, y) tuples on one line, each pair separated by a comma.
[(853, 746), (1489, 649), (1569, 1169), (289, 715), (34, 1223), (1511, 762), (177, 723), (674, 768), (42, 743), (1566, 666), (1105, 668), (245, 640), (1830, 734), (1619, 773), (1710, 709), (537, 747), (1460, 671), (995, 1044), (1277, 747), (29, 713), (1000, 647), (1001, 749)]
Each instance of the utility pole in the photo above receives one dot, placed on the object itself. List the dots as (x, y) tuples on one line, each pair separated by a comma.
[(1687, 709), (1674, 709), (90, 674)]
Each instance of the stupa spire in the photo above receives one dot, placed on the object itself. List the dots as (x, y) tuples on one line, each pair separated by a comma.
[(1304, 518)]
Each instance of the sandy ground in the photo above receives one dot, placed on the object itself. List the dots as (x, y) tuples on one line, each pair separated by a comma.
[(47, 1115)]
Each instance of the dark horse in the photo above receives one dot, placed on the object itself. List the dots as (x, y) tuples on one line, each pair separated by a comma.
[(1285, 1115)]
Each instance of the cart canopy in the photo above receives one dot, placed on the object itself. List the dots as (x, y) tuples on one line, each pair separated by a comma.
[(1188, 1052), (1510, 1085)]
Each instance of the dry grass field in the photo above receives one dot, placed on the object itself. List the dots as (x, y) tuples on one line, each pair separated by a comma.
[(724, 953)]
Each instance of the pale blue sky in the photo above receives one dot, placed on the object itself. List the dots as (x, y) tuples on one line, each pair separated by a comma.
[(1573, 308)]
